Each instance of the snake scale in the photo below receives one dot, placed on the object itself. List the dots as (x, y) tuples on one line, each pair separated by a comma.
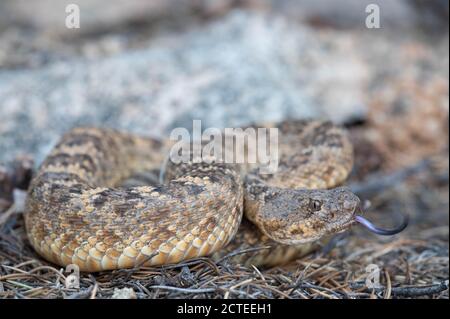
[(77, 212)]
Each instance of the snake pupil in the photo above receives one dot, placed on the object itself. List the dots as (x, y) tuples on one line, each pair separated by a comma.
[(316, 205)]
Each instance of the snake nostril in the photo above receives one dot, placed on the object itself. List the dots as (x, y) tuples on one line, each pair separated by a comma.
[(348, 205)]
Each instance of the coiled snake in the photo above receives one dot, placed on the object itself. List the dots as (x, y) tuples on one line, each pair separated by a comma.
[(77, 214)]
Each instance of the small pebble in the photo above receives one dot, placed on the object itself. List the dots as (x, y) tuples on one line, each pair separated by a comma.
[(124, 293)]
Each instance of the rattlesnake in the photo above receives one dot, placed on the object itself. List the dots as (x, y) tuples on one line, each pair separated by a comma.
[(77, 214)]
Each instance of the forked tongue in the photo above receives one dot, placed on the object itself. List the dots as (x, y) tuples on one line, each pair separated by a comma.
[(382, 231)]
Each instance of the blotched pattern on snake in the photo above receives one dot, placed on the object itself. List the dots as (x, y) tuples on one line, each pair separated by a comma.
[(77, 213)]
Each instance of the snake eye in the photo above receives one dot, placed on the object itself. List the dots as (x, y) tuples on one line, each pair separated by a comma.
[(315, 205)]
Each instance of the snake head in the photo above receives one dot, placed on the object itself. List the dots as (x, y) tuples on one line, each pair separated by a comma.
[(301, 216)]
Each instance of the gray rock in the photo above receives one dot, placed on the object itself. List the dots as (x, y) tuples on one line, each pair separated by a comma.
[(244, 68), (49, 15)]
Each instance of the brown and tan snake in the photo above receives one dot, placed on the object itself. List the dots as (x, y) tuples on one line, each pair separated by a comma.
[(77, 213)]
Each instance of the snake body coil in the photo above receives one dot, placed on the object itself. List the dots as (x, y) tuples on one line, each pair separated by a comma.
[(77, 214)]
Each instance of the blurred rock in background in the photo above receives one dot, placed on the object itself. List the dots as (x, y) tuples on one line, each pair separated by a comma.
[(101, 15), (33, 33), (245, 67), (148, 66)]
